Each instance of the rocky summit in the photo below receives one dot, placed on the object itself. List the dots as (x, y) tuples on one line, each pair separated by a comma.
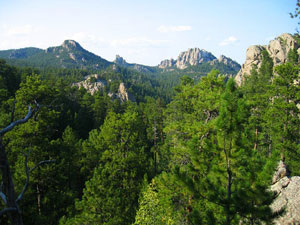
[(193, 57), (278, 50), (196, 56)]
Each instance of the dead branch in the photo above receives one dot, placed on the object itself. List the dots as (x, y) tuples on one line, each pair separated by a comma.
[(28, 171), (41, 163), (30, 113)]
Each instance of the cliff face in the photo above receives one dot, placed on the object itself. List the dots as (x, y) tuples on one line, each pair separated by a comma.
[(123, 95), (278, 50), (193, 57), (93, 83), (196, 56)]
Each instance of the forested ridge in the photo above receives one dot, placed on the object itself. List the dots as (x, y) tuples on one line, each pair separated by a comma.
[(200, 152)]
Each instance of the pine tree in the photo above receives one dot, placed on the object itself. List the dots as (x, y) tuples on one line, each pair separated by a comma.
[(110, 196), (284, 109)]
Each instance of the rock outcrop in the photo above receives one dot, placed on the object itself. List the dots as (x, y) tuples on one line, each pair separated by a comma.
[(167, 63), (228, 62), (92, 83), (193, 56), (196, 56), (123, 95), (278, 50), (120, 61), (287, 191)]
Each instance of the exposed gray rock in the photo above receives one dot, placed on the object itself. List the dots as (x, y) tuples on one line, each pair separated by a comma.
[(227, 61), (278, 50), (70, 44), (288, 196), (67, 45), (167, 63), (193, 56), (123, 95), (120, 61), (281, 171), (92, 83)]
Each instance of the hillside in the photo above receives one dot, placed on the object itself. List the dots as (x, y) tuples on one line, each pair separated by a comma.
[(71, 54), (68, 55)]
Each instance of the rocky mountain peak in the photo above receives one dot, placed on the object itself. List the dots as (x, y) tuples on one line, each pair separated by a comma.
[(229, 62), (71, 44), (67, 45), (167, 63), (193, 56), (120, 61), (196, 56), (278, 50)]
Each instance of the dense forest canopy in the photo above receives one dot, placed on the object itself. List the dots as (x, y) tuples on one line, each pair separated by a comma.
[(190, 145), (203, 155)]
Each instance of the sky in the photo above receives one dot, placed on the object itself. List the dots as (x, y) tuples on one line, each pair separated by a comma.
[(146, 32)]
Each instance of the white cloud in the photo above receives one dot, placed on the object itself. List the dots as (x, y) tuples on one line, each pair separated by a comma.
[(12, 36), (137, 42), (19, 30), (167, 29), (228, 41)]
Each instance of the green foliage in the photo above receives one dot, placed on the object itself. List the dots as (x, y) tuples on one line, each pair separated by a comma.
[(293, 56), (209, 155), (285, 130), (110, 196), (163, 202)]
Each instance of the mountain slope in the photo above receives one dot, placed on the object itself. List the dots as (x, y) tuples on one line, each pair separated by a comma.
[(22, 53), (71, 55), (68, 55)]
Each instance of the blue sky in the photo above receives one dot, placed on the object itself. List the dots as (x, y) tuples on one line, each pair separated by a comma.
[(146, 32)]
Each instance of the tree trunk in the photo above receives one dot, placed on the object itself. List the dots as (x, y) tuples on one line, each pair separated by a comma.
[(9, 189)]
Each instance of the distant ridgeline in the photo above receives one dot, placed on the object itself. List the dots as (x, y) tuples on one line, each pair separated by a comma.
[(153, 80), (71, 55)]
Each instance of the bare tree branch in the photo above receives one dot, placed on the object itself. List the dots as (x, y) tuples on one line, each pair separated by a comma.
[(27, 174), (30, 113), (6, 210), (2, 195), (41, 163)]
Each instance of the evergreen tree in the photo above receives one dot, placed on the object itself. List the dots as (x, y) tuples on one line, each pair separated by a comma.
[(285, 129), (110, 196)]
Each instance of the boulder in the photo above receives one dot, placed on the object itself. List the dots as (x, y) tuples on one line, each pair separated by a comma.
[(287, 191)]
